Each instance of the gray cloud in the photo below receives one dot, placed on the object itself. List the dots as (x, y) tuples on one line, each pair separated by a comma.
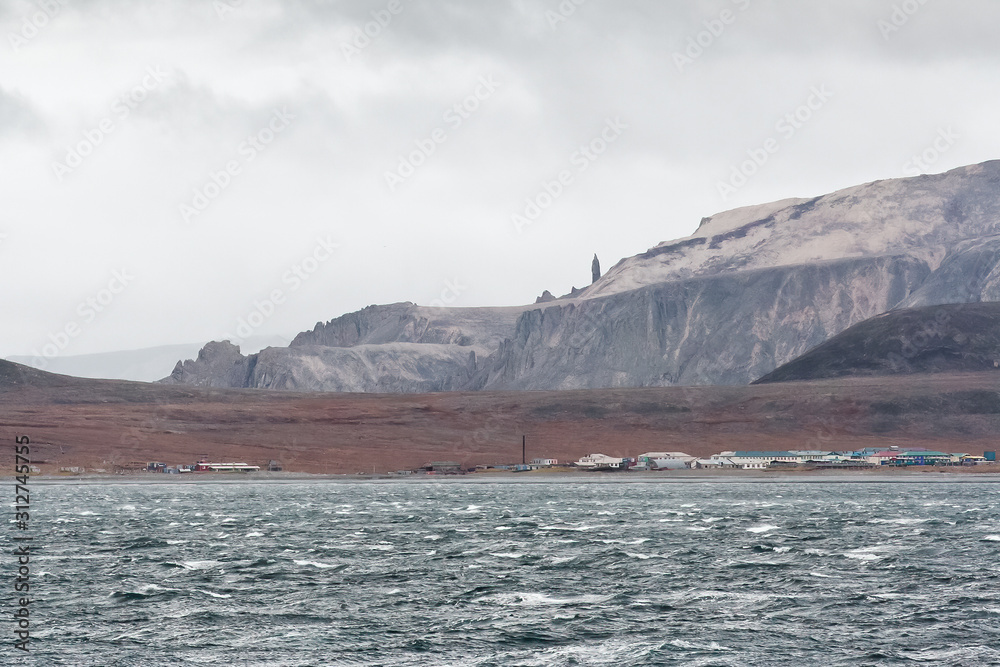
[(356, 118), (18, 117)]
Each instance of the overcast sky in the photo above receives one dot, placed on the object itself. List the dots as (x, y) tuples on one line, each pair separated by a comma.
[(170, 167)]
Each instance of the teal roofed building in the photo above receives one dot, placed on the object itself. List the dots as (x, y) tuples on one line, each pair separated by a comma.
[(921, 458)]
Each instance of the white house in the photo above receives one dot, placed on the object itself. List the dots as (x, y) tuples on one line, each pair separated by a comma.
[(717, 461), (649, 457), (817, 455), (599, 462), (757, 460)]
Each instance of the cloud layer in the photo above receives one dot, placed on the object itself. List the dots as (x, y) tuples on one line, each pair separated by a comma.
[(416, 134)]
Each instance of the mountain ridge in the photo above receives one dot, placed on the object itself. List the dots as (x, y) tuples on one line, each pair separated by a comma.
[(751, 289)]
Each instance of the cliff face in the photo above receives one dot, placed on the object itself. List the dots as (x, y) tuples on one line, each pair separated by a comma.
[(409, 323), (398, 348), (393, 368), (969, 273), (750, 290), (717, 330)]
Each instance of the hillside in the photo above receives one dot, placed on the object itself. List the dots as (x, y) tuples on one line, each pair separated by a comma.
[(937, 339), (97, 423), (142, 365)]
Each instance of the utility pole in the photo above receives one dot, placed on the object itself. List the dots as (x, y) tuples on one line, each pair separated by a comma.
[(524, 458)]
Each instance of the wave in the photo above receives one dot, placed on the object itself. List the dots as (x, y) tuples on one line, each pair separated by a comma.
[(321, 566), (144, 592), (214, 595), (698, 646), (763, 528), (542, 600)]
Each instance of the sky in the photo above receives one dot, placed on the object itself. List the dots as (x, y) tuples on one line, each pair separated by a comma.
[(181, 171)]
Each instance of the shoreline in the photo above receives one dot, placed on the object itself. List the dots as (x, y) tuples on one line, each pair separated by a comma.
[(674, 477)]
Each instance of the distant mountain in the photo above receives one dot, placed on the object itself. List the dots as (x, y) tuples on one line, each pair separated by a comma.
[(399, 348), (750, 290), (931, 218), (144, 365), (935, 339)]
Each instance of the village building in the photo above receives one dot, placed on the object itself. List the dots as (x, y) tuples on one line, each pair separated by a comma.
[(600, 462), (649, 457)]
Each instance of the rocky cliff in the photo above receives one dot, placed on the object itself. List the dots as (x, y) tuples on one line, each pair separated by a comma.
[(750, 290), (397, 348), (713, 330)]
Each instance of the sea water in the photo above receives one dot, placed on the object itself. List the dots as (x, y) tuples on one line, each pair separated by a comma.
[(602, 572)]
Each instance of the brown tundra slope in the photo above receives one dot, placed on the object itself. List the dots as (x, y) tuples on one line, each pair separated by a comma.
[(100, 423)]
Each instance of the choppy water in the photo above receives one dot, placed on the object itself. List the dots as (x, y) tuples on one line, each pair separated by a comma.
[(566, 573)]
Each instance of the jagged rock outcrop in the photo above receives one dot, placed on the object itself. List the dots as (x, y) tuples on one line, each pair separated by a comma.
[(595, 269), (545, 297), (750, 290), (219, 364)]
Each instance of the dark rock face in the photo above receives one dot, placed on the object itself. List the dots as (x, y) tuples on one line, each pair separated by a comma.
[(595, 269), (751, 290), (936, 339)]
